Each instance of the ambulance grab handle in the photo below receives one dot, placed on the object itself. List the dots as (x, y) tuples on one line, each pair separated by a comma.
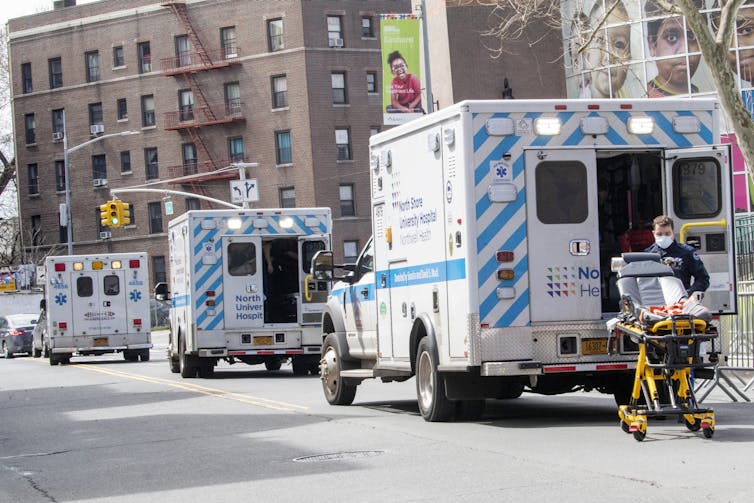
[(307, 295), (718, 223)]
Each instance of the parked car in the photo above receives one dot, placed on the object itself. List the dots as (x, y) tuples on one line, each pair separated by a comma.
[(16, 333), (39, 344)]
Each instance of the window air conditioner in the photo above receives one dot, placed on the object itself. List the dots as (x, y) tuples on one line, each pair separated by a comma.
[(336, 42), (57, 136), (97, 128), (100, 182), (105, 235)]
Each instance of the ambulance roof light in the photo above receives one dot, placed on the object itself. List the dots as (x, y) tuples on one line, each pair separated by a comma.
[(78, 266), (641, 124), (116, 264), (59, 267), (134, 263), (547, 126), (234, 223)]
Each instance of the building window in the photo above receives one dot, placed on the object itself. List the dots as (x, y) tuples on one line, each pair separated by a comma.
[(58, 120), (56, 72), (279, 91), (193, 203), (346, 201), (334, 31), (350, 251), (59, 175), (343, 144), (189, 158), (145, 57), (288, 197), (33, 179), (31, 129), (373, 130), (155, 217), (366, 27), (95, 114), (233, 98), (159, 273), (235, 149), (186, 105), (338, 83), (36, 230), (99, 167), (122, 109), (283, 147), (125, 161), (91, 60), (371, 82), (275, 34), (26, 81), (182, 50), (228, 42), (150, 163), (118, 59), (147, 110)]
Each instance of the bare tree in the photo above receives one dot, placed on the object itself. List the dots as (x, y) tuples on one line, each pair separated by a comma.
[(509, 18), (7, 164)]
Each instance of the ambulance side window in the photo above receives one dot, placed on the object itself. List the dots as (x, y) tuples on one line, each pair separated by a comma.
[(308, 249), (366, 261), (696, 188), (242, 259), (561, 189), (84, 286), (111, 285)]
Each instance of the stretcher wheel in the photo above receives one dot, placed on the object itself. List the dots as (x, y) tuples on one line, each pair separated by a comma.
[(639, 435), (624, 426), (693, 426), (708, 432)]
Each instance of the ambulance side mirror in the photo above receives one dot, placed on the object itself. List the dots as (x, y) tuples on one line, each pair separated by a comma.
[(43, 305), (323, 266), (161, 291)]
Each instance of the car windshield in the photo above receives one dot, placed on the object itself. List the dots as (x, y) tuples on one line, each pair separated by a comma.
[(23, 320)]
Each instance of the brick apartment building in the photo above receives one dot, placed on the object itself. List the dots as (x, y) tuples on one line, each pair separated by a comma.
[(291, 85)]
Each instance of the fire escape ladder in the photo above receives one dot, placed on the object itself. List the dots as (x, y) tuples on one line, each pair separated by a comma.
[(203, 156), (181, 12), (201, 105)]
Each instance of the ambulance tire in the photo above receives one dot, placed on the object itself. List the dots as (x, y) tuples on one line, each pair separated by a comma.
[(434, 405), (273, 364), (36, 353), (144, 355), (131, 356), (53, 359), (45, 351), (300, 367), (188, 366), (337, 391), (175, 365)]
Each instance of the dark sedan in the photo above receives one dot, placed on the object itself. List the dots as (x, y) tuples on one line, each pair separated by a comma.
[(16, 332)]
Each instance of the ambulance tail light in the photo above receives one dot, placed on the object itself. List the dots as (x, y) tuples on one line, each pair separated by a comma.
[(97, 265), (209, 293), (505, 274), (504, 256), (134, 263), (59, 267), (210, 303), (62, 325), (137, 322)]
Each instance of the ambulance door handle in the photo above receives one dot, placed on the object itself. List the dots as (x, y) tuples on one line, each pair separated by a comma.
[(106, 303), (365, 292)]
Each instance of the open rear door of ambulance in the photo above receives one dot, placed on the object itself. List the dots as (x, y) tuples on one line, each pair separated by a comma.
[(699, 200)]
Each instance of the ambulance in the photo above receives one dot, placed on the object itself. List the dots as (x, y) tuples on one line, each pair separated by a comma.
[(240, 290), (494, 225), (95, 304)]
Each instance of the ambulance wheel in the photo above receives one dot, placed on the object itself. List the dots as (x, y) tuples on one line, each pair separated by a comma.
[(144, 355), (337, 391), (45, 351), (53, 359), (693, 426), (131, 356), (639, 435), (430, 390), (36, 353), (272, 365), (187, 365), (300, 367), (469, 410)]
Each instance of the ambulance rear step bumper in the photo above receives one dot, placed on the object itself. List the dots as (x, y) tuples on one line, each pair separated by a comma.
[(222, 353), (537, 368), (101, 348)]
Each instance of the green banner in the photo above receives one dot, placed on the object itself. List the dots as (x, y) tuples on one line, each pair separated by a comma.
[(401, 74)]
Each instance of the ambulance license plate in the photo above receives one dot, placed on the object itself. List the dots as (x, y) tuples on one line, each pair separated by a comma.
[(263, 340), (100, 341), (596, 346)]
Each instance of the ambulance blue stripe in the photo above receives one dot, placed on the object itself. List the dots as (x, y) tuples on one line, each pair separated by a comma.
[(575, 137), (614, 138), (489, 268), (181, 301), (218, 317), (484, 203), (208, 275), (489, 303), (481, 136), (202, 297), (520, 304), (507, 213), (667, 127), (425, 273)]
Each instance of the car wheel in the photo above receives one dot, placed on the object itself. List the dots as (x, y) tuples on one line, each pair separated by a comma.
[(337, 391), (434, 405), (6, 353)]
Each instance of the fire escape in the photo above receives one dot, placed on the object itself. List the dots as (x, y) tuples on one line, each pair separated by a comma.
[(197, 115)]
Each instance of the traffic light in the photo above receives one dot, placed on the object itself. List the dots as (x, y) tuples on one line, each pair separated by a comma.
[(104, 215), (124, 211), (113, 214)]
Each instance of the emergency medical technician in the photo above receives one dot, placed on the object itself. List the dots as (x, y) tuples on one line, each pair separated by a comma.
[(681, 257)]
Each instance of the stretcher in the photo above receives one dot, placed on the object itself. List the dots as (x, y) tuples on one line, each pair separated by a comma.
[(673, 332)]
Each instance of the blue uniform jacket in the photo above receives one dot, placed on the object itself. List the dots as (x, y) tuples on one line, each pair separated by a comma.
[(686, 264)]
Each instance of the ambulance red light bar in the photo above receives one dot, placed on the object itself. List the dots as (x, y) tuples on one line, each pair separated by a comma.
[(561, 107), (626, 106), (59, 267), (62, 325), (592, 107), (134, 263), (137, 322), (504, 256)]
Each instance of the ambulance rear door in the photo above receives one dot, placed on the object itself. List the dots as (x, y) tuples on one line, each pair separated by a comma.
[(242, 290)]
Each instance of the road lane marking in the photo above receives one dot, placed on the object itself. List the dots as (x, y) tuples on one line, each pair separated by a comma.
[(204, 390)]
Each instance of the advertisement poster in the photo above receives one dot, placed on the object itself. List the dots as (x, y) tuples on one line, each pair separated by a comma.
[(401, 74)]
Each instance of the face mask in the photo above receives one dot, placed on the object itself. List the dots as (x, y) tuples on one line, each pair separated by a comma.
[(664, 241)]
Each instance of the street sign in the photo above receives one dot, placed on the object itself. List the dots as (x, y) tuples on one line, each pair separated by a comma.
[(244, 191)]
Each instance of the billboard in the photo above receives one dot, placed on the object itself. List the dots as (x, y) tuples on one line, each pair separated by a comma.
[(401, 75)]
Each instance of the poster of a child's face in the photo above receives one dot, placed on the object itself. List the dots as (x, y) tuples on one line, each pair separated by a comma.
[(741, 55)]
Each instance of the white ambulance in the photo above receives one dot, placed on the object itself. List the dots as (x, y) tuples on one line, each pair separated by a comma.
[(96, 304), (494, 223), (239, 288)]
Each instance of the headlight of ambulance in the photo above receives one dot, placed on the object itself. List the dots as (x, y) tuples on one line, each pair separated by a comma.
[(641, 125), (547, 126)]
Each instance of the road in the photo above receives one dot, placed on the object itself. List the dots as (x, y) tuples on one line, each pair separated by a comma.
[(105, 430)]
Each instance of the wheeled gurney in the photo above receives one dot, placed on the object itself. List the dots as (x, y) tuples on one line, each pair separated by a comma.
[(670, 329)]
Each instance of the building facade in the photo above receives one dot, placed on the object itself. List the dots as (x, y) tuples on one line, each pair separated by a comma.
[(290, 85)]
